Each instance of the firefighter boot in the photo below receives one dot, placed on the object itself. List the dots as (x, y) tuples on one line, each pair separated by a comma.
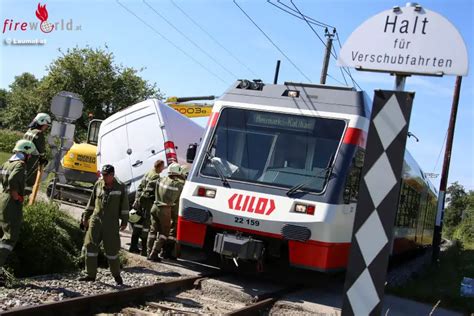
[(134, 243), (169, 249), (118, 280), (153, 256), (144, 247)]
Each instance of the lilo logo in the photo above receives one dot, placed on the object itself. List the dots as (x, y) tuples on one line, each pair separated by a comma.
[(42, 14)]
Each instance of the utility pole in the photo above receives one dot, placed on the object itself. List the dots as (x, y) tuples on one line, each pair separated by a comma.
[(445, 172), (327, 55)]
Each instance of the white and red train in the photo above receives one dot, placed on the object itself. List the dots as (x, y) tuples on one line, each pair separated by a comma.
[(277, 175)]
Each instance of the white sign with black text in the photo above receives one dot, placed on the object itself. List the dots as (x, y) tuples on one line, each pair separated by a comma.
[(410, 40)]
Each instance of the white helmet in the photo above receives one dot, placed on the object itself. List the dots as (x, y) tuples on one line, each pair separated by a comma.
[(25, 146), (174, 169), (185, 170), (42, 119), (133, 216)]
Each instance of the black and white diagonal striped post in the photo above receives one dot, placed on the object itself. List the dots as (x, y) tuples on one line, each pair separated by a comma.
[(377, 205)]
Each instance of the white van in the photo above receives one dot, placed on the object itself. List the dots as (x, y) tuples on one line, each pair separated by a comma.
[(133, 139)]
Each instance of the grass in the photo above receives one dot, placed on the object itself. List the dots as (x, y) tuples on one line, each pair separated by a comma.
[(442, 282), (3, 157)]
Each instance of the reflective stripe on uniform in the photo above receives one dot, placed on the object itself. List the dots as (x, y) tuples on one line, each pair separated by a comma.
[(111, 257), (115, 192), (92, 254), (31, 135), (28, 188), (168, 187), (137, 226), (6, 246), (145, 230), (151, 235), (124, 212)]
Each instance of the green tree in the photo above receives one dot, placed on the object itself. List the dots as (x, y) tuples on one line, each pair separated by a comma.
[(3, 99), (457, 202), (3, 103), (104, 86), (22, 102), (465, 230)]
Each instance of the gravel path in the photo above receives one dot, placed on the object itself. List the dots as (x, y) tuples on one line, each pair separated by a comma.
[(56, 287)]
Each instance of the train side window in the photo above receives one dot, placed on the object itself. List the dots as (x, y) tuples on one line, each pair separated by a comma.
[(351, 190)]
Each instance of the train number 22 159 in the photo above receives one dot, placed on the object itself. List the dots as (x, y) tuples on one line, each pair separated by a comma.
[(247, 221)]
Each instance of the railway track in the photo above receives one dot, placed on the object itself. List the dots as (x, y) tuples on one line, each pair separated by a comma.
[(154, 299)]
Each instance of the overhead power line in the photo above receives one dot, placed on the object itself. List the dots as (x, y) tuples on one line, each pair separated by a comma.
[(322, 24), (440, 151), (338, 81), (340, 68), (170, 42), (273, 43), (314, 31), (347, 69), (191, 41), (309, 20), (213, 38)]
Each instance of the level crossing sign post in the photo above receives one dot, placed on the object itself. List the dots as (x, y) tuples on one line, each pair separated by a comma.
[(66, 107), (403, 41)]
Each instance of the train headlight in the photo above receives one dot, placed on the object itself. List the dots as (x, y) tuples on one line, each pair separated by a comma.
[(204, 192), (300, 208), (293, 93), (305, 209)]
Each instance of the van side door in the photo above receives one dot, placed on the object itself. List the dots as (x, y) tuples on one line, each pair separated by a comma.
[(146, 142)]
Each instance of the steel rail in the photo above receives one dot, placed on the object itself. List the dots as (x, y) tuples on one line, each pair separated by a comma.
[(263, 302), (97, 302)]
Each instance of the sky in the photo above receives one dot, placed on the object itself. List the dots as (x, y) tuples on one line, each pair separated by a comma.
[(207, 57)]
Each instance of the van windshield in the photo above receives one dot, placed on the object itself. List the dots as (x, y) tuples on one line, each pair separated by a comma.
[(272, 148)]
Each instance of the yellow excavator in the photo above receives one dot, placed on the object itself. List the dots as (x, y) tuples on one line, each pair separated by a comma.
[(79, 163)]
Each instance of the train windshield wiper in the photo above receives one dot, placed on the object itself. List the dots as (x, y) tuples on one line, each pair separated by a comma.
[(219, 172), (300, 186)]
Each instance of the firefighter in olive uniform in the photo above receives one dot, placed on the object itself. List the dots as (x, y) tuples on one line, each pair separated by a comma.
[(144, 199), (35, 133), (12, 178), (169, 250), (167, 194), (107, 205)]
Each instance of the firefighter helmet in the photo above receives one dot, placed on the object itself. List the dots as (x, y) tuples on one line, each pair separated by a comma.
[(185, 170), (25, 146), (42, 119), (133, 216), (174, 169)]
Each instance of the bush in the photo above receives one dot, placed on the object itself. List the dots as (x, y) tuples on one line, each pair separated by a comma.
[(465, 230), (50, 242), (8, 139)]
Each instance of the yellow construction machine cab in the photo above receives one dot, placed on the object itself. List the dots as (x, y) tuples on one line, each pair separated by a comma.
[(79, 162)]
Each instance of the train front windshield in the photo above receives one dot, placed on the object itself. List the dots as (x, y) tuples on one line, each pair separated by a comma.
[(274, 149)]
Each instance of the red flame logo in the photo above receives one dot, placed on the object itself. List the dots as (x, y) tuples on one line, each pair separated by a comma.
[(42, 13)]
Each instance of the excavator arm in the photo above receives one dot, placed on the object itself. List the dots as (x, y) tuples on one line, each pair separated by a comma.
[(191, 109)]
